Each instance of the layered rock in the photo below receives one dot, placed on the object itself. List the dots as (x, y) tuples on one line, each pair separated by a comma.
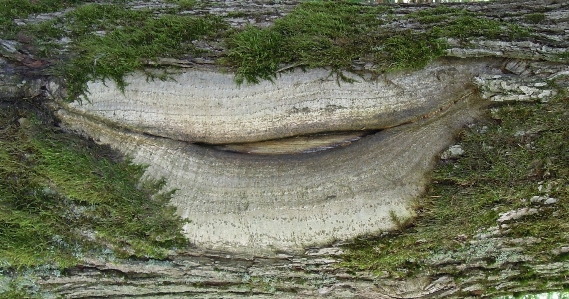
[(263, 203)]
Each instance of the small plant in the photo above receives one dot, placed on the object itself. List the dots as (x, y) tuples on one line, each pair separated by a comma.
[(62, 196), (329, 35), (535, 18), (520, 152)]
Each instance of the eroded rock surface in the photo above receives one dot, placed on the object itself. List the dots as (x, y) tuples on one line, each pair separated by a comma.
[(263, 203), (252, 203), (207, 106)]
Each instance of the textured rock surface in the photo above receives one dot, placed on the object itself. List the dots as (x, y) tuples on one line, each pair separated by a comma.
[(386, 170), (259, 203), (250, 203), (207, 106)]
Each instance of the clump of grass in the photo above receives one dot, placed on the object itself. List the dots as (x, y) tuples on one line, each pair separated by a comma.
[(563, 56), (126, 39), (110, 40), (449, 22), (507, 159), (62, 196), (184, 4), (335, 34), (437, 14), (535, 18), (315, 34), (14, 9)]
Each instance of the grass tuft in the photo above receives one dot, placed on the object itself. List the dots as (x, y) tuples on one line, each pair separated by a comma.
[(535, 18), (335, 34), (519, 153), (315, 34), (113, 41), (62, 196)]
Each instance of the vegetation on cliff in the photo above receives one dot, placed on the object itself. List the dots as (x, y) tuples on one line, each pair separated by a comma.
[(63, 197), (70, 197), (109, 40), (335, 34), (516, 160)]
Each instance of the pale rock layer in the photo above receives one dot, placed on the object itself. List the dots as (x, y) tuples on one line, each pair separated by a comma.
[(207, 106), (253, 203)]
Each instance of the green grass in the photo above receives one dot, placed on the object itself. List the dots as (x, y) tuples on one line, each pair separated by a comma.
[(14, 9), (110, 40), (535, 18), (335, 34), (129, 39), (507, 158), (315, 34), (62, 197)]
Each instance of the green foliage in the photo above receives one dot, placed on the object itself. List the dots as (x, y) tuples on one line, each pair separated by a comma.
[(61, 196), (259, 52), (111, 40), (128, 39), (14, 9), (564, 56), (506, 160), (409, 51), (315, 34), (184, 4), (449, 22), (438, 14), (535, 18), (334, 34)]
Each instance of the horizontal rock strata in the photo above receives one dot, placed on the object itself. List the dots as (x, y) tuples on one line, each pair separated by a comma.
[(206, 105), (253, 203)]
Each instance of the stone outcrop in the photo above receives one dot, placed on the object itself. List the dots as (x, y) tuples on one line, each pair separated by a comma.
[(251, 208), (251, 203), (207, 106)]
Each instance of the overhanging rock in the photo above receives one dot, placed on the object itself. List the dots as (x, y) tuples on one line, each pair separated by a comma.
[(252, 203)]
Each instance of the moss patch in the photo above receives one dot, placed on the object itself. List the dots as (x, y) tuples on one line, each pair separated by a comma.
[(111, 41), (519, 153), (62, 196), (14, 9), (335, 34)]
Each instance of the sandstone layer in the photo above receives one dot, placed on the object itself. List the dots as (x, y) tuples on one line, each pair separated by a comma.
[(255, 203), (207, 106)]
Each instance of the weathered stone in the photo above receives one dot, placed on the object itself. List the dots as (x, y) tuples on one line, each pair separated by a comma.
[(241, 202), (516, 214), (452, 152), (207, 106)]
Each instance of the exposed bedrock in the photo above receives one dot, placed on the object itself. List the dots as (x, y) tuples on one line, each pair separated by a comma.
[(207, 106), (254, 203)]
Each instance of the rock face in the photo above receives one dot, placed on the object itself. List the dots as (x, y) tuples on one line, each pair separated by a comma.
[(252, 206), (254, 203), (207, 106)]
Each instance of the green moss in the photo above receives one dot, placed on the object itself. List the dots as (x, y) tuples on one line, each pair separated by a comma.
[(128, 38), (564, 56), (315, 34), (14, 9), (184, 4), (110, 40), (535, 18), (506, 161), (436, 15), (62, 196), (335, 34)]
